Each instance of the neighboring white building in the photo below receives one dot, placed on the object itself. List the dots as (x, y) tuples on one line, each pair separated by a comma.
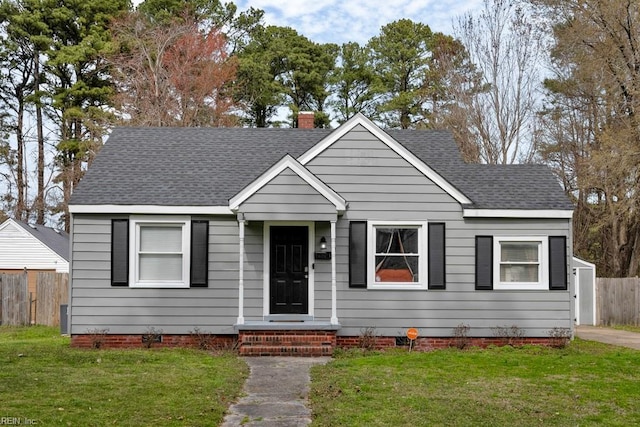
[(33, 248)]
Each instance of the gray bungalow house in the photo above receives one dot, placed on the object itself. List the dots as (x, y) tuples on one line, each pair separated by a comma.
[(293, 241)]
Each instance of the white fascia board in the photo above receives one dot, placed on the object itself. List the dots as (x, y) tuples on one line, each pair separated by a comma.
[(517, 213), (150, 209), (360, 119), (288, 162)]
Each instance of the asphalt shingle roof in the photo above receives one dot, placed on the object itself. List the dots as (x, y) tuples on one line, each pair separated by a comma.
[(208, 166), (54, 239)]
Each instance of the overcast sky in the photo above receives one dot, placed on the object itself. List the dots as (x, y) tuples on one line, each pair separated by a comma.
[(341, 21)]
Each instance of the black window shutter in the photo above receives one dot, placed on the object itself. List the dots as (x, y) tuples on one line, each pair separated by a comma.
[(358, 254), (437, 263), (199, 253), (484, 262), (557, 262), (119, 252)]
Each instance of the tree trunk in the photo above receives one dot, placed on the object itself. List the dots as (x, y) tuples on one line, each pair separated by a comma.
[(21, 205), (39, 205)]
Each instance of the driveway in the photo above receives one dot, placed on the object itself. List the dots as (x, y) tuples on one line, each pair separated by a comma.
[(609, 336)]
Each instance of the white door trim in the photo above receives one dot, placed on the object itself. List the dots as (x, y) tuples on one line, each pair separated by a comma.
[(266, 262)]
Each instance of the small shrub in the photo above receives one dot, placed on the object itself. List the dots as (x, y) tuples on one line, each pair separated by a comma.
[(225, 346), (367, 339), (202, 339), (559, 337), (511, 334), (402, 341), (461, 336), (205, 340), (98, 336), (151, 336)]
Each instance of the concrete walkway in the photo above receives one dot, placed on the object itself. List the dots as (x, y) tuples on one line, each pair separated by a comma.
[(609, 336), (275, 393)]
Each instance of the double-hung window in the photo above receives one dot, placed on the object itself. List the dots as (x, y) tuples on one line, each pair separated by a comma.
[(160, 252), (398, 255), (520, 263)]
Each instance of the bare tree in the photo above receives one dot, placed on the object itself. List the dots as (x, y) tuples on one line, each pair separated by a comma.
[(505, 46), (452, 83), (142, 85), (171, 73), (592, 132)]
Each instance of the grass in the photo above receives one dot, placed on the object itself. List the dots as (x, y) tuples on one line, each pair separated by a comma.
[(586, 383), (44, 380), (628, 328)]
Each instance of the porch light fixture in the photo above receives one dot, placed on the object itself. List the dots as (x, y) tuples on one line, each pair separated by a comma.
[(323, 253)]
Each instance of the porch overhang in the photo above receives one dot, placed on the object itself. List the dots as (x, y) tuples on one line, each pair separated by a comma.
[(288, 191)]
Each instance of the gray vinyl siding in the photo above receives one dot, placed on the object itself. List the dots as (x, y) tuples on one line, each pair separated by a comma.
[(437, 312), (253, 272), (124, 310), (379, 185), (322, 276)]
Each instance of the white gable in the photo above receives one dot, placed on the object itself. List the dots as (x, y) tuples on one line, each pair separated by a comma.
[(19, 249)]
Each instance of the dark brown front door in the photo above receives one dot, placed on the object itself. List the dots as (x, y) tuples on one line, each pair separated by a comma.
[(289, 266)]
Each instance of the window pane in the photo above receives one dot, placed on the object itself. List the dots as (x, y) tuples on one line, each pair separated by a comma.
[(519, 273), (397, 269), (519, 251), (383, 240), (155, 238), (160, 267), (397, 240)]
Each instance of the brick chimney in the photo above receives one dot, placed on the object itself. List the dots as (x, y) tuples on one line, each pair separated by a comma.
[(306, 120)]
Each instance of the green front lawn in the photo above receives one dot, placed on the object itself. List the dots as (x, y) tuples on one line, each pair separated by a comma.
[(44, 380), (586, 383)]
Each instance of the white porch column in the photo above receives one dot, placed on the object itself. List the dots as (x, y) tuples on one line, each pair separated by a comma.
[(240, 320), (334, 288)]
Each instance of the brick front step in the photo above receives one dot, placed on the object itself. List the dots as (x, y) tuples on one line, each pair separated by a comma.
[(297, 351), (287, 343)]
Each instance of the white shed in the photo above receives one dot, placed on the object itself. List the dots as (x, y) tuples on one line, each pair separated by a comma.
[(585, 280)]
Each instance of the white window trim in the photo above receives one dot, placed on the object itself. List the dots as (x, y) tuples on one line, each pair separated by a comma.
[(134, 232), (422, 248), (543, 269)]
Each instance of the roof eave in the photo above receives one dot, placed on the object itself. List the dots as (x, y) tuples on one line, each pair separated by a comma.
[(518, 213), (149, 209)]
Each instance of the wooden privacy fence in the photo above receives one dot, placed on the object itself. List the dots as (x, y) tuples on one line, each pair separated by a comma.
[(52, 290), (618, 301), (18, 306), (14, 309)]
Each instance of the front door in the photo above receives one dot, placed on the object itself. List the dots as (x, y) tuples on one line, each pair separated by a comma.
[(289, 267)]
